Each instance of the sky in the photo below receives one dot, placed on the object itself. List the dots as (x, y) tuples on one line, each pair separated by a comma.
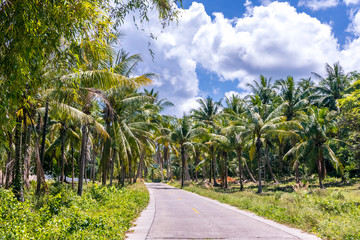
[(218, 46)]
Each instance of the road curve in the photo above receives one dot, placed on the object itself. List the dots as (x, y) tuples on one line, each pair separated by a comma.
[(179, 214)]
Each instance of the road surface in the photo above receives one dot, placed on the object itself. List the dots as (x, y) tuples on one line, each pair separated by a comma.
[(178, 214)]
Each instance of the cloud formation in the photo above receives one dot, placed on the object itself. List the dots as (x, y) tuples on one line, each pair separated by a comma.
[(274, 40)]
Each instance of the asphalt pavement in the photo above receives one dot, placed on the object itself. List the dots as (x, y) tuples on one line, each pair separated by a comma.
[(177, 214)]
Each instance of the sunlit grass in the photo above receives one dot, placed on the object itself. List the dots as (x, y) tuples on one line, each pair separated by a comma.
[(331, 213)]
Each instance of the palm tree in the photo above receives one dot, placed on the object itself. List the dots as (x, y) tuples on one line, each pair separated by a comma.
[(297, 102), (316, 141), (206, 114), (332, 85), (264, 89), (184, 135), (260, 128), (235, 109)]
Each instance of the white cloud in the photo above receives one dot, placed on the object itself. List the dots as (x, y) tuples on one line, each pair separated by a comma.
[(354, 27), (351, 2), (274, 40), (319, 4)]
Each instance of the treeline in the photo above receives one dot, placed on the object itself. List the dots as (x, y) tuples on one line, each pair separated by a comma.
[(71, 108), (285, 129)]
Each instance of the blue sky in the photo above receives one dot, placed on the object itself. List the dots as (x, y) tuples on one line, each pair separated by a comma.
[(219, 46)]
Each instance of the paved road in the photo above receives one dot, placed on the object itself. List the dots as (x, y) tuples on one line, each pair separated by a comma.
[(183, 215), (176, 214)]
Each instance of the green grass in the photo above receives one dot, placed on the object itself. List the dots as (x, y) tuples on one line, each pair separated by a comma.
[(331, 213), (101, 213)]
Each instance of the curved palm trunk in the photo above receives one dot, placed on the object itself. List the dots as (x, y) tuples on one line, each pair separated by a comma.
[(269, 165), (182, 165), (241, 171), (258, 156)]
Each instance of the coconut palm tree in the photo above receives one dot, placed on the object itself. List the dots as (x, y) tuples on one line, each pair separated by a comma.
[(206, 115), (315, 146), (260, 128), (184, 135), (264, 89), (332, 86)]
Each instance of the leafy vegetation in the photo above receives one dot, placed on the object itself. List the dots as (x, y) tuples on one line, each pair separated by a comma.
[(101, 213), (332, 213)]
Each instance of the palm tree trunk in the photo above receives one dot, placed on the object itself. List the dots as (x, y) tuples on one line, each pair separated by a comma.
[(269, 165), (122, 171), (203, 172), (141, 164), (73, 167), (44, 131), (63, 139), (40, 176), (241, 171), (112, 166), (297, 173), (214, 166), (130, 170), (210, 173), (258, 156), (167, 160), (160, 161), (25, 149), (197, 160), (182, 165), (320, 167), (9, 163), (83, 156), (18, 168), (105, 160), (226, 170)]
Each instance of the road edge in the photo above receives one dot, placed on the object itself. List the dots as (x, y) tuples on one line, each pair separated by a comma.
[(293, 231), (143, 224)]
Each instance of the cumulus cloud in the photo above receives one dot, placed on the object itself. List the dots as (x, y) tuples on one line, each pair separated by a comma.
[(319, 4), (274, 40)]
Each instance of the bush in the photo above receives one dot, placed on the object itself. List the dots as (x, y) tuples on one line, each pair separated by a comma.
[(101, 213)]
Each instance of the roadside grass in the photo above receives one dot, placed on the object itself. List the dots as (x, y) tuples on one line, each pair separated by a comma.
[(331, 213), (101, 213)]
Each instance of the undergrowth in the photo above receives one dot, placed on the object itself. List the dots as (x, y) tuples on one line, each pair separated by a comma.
[(101, 213)]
